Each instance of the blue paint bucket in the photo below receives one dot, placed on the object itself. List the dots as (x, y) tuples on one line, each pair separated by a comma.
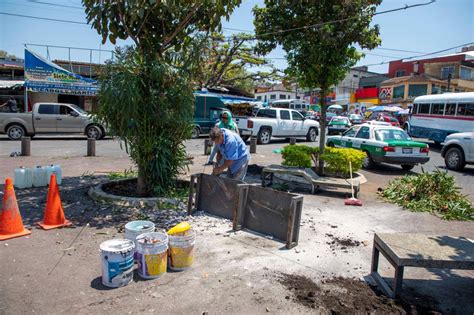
[(117, 262)]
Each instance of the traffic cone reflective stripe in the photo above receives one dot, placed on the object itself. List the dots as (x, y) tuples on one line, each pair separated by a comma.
[(53, 213), (11, 224)]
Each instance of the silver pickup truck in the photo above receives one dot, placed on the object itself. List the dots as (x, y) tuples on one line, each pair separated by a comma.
[(50, 118)]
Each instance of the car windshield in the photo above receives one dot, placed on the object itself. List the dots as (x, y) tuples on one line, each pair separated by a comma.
[(78, 109), (391, 134), (354, 116), (339, 119)]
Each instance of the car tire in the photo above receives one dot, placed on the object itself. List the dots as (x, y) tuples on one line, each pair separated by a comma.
[(330, 144), (195, 132), (454, 159), (312, 135), (368, 163), (93, 132), (15, 132), (264, 136), (407, 167)]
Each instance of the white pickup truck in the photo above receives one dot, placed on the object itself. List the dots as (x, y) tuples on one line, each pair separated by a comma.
[(278, 122), (50, 118), (458, 150)]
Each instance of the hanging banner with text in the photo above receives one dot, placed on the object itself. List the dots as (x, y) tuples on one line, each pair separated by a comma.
[(41, 75)]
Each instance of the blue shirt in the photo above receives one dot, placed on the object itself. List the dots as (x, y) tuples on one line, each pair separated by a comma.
[(234, 149)]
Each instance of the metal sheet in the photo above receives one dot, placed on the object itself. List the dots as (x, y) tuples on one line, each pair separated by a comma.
[(267, 211), (218, 196)]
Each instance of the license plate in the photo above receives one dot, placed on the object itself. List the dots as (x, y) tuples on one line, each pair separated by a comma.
[(407, 150)]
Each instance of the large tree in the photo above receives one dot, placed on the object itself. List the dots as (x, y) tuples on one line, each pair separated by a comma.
[(146, 93), (231, 62), (319, 39)]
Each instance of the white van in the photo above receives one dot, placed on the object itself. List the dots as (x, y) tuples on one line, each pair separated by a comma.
[(296, 104)]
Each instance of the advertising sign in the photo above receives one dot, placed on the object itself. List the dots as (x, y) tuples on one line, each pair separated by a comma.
[(41, 75)]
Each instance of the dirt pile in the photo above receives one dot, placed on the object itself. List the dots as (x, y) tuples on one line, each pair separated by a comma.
[(347, 296)]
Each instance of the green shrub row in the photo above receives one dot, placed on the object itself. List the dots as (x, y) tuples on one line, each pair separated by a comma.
[(336, 159), (434, 192)]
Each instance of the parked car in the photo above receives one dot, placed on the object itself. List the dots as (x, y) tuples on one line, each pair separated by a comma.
[(391, 120), (279, 122), (329, 116), (338, 124), (356, 119), (383, 143), (458, 150), (50, 118)]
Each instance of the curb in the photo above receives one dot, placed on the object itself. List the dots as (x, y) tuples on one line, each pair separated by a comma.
[(98, 194)]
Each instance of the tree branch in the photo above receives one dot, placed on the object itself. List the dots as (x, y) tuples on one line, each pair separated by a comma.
[(180, 27)]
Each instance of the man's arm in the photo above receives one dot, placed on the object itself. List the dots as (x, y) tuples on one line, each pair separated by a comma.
[(221, 169)]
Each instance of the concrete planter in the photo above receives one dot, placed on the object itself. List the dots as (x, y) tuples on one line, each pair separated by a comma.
[(98, 194)]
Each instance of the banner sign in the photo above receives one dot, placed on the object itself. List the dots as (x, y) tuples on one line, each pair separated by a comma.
[(385, 93), (41, 75)]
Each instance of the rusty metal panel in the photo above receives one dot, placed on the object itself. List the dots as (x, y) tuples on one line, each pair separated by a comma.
[(274, 213), (218, 196)]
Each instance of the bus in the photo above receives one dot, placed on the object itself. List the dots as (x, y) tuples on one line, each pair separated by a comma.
[(296, 104), (436, 116)]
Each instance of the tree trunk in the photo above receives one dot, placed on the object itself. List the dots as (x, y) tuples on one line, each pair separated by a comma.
[(322, 126), (142, 188)]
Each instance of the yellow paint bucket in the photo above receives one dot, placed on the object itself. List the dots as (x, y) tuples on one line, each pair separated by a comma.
[(181, 250), (152, 254)]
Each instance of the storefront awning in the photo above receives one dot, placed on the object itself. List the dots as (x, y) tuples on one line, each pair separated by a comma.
[(9, 84)]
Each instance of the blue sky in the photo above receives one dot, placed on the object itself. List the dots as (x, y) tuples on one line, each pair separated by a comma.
[(443, 24)]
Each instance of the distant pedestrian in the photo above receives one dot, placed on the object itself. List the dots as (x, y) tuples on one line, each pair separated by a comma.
[(11, 105), (233, 152)]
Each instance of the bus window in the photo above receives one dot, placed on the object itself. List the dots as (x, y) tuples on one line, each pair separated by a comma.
[(297, 106), (465, 109), (414, 109), (450, 109), (424, 108), (437, 109)]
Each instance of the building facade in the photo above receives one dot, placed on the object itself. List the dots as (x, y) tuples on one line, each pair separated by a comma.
[(268, 94)]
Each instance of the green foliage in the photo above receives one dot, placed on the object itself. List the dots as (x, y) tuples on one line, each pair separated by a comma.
[(149, 105), (156, 26), (228, 62), (337, 159), (296, 155), (127, 173), (319, 56), (434, 192)]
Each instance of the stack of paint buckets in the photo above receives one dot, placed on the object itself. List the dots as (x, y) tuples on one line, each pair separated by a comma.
[(153, 251)]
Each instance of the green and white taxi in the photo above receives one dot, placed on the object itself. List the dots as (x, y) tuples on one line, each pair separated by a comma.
[(382, 143), (338, 124)]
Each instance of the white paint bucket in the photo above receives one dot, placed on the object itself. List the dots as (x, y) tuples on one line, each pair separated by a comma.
[(135, 228), (181, 250), (152, 254), (117, 262)]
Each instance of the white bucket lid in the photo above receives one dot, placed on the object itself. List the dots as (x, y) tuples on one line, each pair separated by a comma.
[(139, 226), (117, 245)]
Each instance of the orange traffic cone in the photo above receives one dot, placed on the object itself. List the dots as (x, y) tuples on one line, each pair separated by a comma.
[(11, 224), (54, 213)]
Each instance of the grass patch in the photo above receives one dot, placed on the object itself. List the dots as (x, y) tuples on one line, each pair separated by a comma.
[(122, 175), (434, 192)]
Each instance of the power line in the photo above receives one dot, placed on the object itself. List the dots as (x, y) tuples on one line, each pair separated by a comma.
[(424, 55), (340, 20), (40, 8), (401, 50), (55, 4), (43, 18)]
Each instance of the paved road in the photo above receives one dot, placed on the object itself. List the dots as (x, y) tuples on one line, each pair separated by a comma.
[(68, 147)]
